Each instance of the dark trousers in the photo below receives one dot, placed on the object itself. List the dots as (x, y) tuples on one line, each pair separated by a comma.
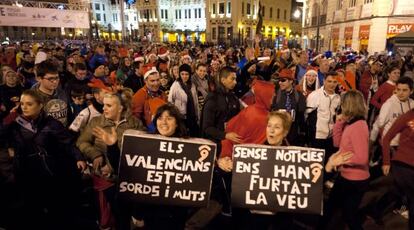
[(327, 145), (403, 178), (346, 196)]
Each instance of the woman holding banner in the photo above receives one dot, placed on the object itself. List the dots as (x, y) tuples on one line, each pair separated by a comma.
[(100, 142), (168, 123), (350, 135)]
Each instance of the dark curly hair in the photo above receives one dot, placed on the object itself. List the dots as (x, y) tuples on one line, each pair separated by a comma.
[(181, 130)]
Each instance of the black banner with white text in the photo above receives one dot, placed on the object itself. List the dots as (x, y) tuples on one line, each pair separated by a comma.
[(287, 179), (167, 171)]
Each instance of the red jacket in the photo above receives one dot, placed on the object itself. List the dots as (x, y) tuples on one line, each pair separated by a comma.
[(404, 152), (384, 92), (250, 124)]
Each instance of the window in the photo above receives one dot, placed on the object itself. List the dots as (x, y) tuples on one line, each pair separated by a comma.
[(104, 17), (103, 7), (242, 8), (115, 17), (166, 14), (155, 14), (195, 13), (199, 12), (189, 13), (98, 17), (97, 6), (214, 32), (214, 8), (126, 18), (135, 18), (185, 13), (368, 1), (284, 14), (176, 14), (271, 12), (254, 9), (263, 11), (179, 14), (248, 9), (229, 7), (221, 8), (162, 13), (352, 3), (339, 4), (278, 13)]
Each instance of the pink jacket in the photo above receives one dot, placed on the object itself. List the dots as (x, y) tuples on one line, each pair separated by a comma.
[(353, 137)]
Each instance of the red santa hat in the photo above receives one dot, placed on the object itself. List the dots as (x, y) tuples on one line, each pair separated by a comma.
[(163, 52), (148, 70), (138, 58)]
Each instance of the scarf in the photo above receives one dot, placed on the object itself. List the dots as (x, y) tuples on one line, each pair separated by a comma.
[(191, 117), (201, 84)]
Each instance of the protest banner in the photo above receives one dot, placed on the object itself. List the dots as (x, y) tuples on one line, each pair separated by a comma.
[(168, 171), (287, 179)]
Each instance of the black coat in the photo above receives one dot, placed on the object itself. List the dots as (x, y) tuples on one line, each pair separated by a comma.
[(134, 82), (298, 128), (46, 137), (46, 173), (219, 108)]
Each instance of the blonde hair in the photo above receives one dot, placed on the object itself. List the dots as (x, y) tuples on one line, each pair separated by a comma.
[(124, 97), (353, 104), (284, 116)]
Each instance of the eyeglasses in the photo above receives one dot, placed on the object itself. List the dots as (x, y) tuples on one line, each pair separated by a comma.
[(52, 79)]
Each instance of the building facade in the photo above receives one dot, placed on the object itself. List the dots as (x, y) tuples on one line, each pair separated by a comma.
[(106, 21), (236, 20), (43, 33), (355, 24), (172, 20)]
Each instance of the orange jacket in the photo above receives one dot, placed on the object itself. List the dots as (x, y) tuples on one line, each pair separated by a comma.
[(144, 106)]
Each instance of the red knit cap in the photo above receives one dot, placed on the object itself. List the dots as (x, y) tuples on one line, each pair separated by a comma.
[(286, 73)]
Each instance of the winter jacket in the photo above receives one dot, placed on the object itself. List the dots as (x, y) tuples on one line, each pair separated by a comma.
[(92, 147), (146, 103), (45, 136), (178, 97), (390, 111), (134, 82), (325, 106), (384, 92), (298, 102), (250, 124), (218, 109)]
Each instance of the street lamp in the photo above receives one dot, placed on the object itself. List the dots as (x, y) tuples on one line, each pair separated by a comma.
[(33, 34)]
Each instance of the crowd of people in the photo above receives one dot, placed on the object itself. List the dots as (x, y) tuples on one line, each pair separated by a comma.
[(64, 109)]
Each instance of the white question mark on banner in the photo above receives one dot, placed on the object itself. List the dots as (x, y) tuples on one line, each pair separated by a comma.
[(316, 169), (204, 151)]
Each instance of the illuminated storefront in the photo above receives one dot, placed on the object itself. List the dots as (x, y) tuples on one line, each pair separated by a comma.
[(348, 36)]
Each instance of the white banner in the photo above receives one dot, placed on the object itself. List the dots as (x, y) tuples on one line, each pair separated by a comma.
[(40, 17)]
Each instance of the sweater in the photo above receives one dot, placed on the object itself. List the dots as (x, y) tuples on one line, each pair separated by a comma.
[(406, 145), (384, 92), (353, 137), (390, 111)]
